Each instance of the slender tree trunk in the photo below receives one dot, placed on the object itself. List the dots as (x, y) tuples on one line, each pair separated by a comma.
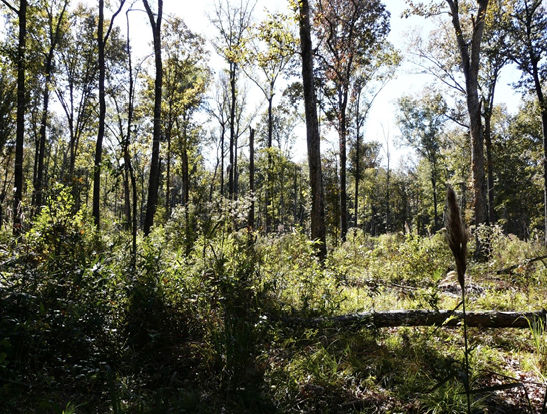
[(54, 39), (38, 183), (21, 107), (435, 212), (357, 159), (543, 108), (185, 169), (102, 40), (128, 165), (222, 136), (388, 194), (544, 127), (102, 116), (154, 179), (269, 183), (318, 232), (343, 163), (235, 169), (4, 188), (168, 171), (233, 92), (295, 188), (489, 166), (251, 223)]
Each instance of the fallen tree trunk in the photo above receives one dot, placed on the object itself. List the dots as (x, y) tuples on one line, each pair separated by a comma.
[(393, 318), (513, 267)]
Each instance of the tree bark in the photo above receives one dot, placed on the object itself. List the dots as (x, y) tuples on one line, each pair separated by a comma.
[(251, 223), (21, 107), (154, 179), (102, 116), (233, 94), (343, 162), (420, 317), (470, 65), (318, 232)]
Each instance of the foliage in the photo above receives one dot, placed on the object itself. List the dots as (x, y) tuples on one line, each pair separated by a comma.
[(210, 312), (208, 327)]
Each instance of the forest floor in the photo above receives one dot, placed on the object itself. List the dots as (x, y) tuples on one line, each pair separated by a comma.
[(212, 329)]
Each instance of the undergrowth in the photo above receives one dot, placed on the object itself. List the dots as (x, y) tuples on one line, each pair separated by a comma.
[(207, 324)]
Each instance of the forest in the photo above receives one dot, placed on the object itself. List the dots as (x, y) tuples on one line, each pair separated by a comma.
[(201, 222)]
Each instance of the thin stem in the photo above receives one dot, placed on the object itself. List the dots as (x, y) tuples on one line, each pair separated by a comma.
[(466, 349)]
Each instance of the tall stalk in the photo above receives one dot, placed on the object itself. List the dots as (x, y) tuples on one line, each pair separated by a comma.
[(457, 238)]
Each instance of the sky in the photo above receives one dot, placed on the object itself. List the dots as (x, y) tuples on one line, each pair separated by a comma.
[(381, 124)]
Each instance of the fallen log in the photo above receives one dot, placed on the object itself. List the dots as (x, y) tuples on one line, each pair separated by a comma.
[(420, 317), (513, 267)]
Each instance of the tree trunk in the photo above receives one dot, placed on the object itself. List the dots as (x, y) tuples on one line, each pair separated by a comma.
[(318, 232), (357, 177), (544, 127), (489, 165), (128, 166), (168, 170), (543, 108), (102, 39), (154, 178), (420, 317), (269, 183), (343, 161), (251, 222), (233, 92), (470, 66), (222, 136), (434, 188), (39, 176), (102, 116), (185, 167), (21, 104)]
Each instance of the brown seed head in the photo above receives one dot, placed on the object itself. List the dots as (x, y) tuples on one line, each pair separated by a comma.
[(456, 234)]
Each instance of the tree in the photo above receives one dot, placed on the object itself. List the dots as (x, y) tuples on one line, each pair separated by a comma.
[(102, 38), (493, 63), (318, 233), (421, 122), (518, 153), (368, 82), (468, 40), (221, 112), (272, 54), (21, 104), (186, 78), (363, 157), (154, 179), (233, 24), (528, 49), (350, 33), (8, 107), (76, 80), (56, 24)]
